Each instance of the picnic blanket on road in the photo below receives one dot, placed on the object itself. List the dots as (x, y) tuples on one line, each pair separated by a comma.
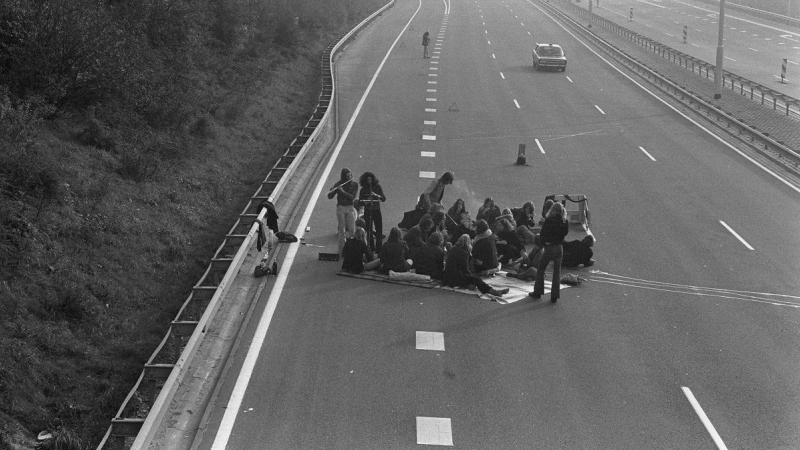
[(517, 289)]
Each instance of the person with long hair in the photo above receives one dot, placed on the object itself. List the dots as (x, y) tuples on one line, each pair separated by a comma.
[(371, 196), (345, 191), (554, 230), (430, 259), (394, 253), (435, 192), (458, 272), (489, 211), (356, 252), (454, 215), (526, 222)]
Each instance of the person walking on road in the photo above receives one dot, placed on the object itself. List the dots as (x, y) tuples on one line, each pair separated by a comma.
[(554, 230), (345, 191), (426, 40)]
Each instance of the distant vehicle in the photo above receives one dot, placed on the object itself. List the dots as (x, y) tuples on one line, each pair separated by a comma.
[(549, 56)]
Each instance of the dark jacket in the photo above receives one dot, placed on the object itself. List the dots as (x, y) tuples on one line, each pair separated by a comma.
[(457, 268), (523, 219), (576, 253), (415, 237), (375, 189), (430, 261), (354, 252), (554, 230), (460, 230), (393, 257), (485, 250)]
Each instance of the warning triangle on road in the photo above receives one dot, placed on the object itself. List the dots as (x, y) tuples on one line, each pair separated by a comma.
[(453, 107)]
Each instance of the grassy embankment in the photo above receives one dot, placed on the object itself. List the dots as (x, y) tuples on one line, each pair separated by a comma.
[(131, 136)]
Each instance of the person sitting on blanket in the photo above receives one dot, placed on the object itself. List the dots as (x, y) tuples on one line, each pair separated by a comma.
[(578, 252), (509, 247), (489, 211), (394, 253), (526, 222), (356, 252), (484, 249), (457, 272), (430, 259), (465, 226), (526, 268), (454, 213), (416, 236)]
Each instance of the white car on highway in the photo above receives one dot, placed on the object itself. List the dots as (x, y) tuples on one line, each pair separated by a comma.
[(549, 56)]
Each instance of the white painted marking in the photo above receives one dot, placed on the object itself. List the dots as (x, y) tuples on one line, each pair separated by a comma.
[(730, 59), (515, 102), (428, 154), (433, 82), (435, 62), (430, 340), (529, 33), (428, 137), (568, 78), (433, 74), (486, 31), (598, 108), (502, 76), (736, 235), (427, 174), (493, 57), (429, 122), (429, 99), (751, 48), (648, 154), (670, 35), (791, 62), (237, 395), (703, 418), (694, 45), (434, 431), (539, 144), (434, 68), (430, 110)]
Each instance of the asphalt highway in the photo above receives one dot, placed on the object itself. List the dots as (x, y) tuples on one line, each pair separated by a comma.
[(754, 47), (685, 336)]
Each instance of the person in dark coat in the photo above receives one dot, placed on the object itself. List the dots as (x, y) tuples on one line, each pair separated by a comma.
[(458, 272), (426, 40), (430, 259), (394, 253), (465, 226), (370, 197), (578, 252), (484, 248), (356, 252), (526, 222), (417, 236), (554, 230)]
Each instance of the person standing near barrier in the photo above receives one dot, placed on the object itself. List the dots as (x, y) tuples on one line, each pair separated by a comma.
[(426, 40), (371, 196), (554, 230), (345, 191)]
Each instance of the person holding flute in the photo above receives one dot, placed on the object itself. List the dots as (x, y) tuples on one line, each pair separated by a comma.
[(345, 191)]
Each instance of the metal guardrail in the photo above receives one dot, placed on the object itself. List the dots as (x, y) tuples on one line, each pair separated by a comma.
[(773, 149), (149, 398), (755, 91), (758, 12)]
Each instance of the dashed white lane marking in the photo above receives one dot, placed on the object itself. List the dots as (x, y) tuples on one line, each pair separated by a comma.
[(434, 62), (648, 154), (700, 413), (433, 74), (570, 79), (429, 99), (730, 59), (489, 42), (694, 45), (430, 340), (434, 431), (428, 137), (434, 68), (502, 76), (751, 48), (539, 144), (736, 235), (428, 154), (429, 122), (427, 174), (493, 57), (430, 110), (515, 102), (601, 111), (529, 33), (432, 82)]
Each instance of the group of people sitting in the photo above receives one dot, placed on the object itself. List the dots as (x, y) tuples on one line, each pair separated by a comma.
[(452, 247)]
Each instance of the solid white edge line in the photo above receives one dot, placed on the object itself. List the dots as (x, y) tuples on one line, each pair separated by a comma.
[(538, 144), (711, 133), (243, 380), (735, 234), (648, 154), (703, 418)]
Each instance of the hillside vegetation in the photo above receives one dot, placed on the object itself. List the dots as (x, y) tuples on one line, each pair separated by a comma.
[(131, 135)]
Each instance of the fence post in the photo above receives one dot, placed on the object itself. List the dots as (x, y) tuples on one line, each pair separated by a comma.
[(685, 32), (783, 71)]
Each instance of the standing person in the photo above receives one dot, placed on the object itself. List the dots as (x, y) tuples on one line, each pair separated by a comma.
[(371, 196), (457, 272), (426, 40), (435, 192), (554, 230), (345, 191)]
